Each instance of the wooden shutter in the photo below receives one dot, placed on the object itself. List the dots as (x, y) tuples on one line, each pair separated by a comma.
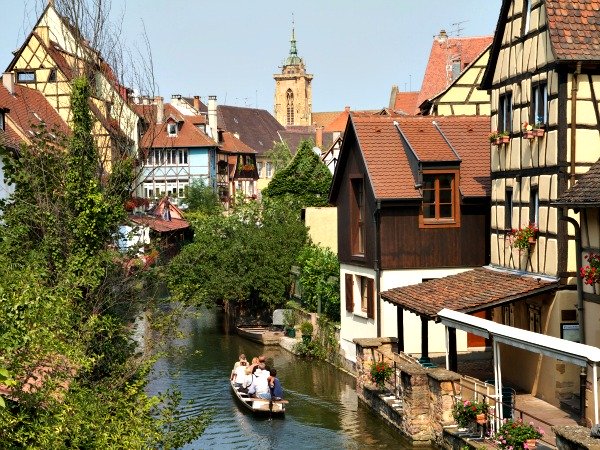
[(349, 292), (370, 299)]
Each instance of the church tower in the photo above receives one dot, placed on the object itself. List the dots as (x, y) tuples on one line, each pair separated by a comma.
[(293, 91)]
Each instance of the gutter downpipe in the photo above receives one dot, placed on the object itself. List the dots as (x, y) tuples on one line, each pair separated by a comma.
[(376, 219), (574, 88), (580, 312)]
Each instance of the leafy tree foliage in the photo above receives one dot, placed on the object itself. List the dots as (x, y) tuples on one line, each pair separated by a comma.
[(319, 272), (202, 198), (280, 156), (305, 180), (67, 305), (242, 258)]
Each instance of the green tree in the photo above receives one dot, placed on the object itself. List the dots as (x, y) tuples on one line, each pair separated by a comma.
[(243, 258), (319, 278), (202, 198), (67, 305), (305, 181), (280, 156)]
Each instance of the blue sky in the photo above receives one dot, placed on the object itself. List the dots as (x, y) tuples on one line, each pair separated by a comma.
[(356, 50)]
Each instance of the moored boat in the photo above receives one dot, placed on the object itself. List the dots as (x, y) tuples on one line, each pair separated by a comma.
[(259, 405), (262, 335)]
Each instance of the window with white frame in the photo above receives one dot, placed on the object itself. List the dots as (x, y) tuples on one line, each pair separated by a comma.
[(172, 129), (259, 167), (269, 168), (26, 76)]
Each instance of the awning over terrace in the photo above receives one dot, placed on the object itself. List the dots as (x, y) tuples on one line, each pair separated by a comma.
[(561, 349)]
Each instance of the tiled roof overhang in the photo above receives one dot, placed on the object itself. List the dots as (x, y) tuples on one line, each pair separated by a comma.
[(585, 193), (470, 291)]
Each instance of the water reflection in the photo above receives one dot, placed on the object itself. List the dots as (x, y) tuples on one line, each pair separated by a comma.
[(323, 411)]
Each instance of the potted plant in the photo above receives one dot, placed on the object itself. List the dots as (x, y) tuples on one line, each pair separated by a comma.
[(591, 272), (524, 237), (504, 137), (290, 319), (527, 131), (494, 138), (465, 412), (538, 129), (306, 328), (516, 434), (380, 373)]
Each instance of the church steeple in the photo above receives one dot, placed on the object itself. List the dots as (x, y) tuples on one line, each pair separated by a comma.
[(293, 59)]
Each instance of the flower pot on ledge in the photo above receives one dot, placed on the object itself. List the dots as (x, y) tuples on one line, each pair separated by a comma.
[(539, 132), (504, 139), (481, 419), (528, 134), (531, 240), (531, 443)]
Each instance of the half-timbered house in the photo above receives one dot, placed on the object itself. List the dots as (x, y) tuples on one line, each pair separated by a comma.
[(412, 195)]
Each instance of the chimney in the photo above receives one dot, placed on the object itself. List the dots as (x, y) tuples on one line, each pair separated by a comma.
[(442, 37), (319, 137), (347, 108), (160, 109), (8, 80), (212, 117), (197, 103), (44, 34)]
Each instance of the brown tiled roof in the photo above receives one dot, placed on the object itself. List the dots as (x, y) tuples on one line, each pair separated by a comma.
[(322, 119), (28, 109), (436, 77), (159, 225), (574, 27), (255, 127), (586, 191), (188, 135), (292, 136), (406, 102), (386, 159), (231, 144), (468, 135), (468, 291)]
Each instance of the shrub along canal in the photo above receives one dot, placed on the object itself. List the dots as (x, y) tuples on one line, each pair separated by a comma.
[(323, 411)]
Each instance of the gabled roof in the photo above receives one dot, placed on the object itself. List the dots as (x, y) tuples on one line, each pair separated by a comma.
[(406, 102), (470, 291), (257, 128), (231, 144), (292, 136), (385, 143), (443, 51), (322, 119), (586, 192), (573, 26), (164, 217), (188, 134), (28, 110)]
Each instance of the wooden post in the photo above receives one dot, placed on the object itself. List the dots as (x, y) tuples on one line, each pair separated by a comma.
[(424, 338), (453, 355), (400, 325)]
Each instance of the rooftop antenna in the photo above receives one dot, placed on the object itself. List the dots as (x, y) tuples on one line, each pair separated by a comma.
[(458, 28)]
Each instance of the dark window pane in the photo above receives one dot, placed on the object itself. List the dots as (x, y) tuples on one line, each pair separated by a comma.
[(428, 211), (445, 211), (445, 181), (446, 196), (429, 196), (428, 183)]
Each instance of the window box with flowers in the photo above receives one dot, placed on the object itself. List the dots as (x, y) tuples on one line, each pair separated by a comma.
[(515, 434), (380, 373), (591, 272), (465, 412), (538, 129), (528, 132), (494, 138), (503, 137), (524, 237)]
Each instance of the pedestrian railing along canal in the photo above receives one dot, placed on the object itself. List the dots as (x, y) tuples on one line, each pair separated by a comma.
[(482, 391)]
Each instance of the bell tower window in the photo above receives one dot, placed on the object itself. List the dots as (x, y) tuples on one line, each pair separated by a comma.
[(290, 107)]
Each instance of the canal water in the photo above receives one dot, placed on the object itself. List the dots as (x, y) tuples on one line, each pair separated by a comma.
[(323, 410)]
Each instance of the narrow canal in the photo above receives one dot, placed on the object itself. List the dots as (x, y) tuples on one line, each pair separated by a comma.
[(323, 412)]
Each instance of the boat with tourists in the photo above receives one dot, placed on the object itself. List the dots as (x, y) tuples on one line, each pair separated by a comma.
[(259, 406)]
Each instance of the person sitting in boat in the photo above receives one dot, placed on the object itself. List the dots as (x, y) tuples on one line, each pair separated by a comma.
[(250, 369), (275, 386), (237, 364), (240, 379), (260, 384)]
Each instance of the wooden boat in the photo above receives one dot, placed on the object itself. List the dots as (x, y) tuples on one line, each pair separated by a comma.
[(258, 405), (262, 335)]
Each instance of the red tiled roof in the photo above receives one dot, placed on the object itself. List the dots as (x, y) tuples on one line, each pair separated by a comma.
[(231, 144), (28, 109), (436, 77), (339, 123), (322, 119), (387, 162), (188, 135), (406, 102), (574, 27), (159, 225), (468, 291)]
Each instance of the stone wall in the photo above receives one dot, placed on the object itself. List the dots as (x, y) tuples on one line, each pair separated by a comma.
[(575, 438), (426, 396)]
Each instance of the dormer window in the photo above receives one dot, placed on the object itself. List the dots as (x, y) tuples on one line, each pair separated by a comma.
[(2, 120), (172, 129), (440, 207), (27, 76)]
